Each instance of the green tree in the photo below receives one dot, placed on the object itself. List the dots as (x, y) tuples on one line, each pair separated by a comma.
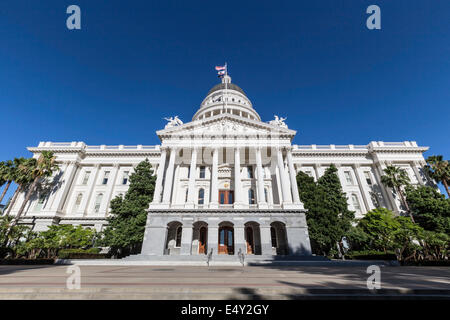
[(45, 166), (22, 177), (379, 224), (439, 170), (328, 217), (407, 237), (396, 178), (7, 174), (126, 224), (430, 208)]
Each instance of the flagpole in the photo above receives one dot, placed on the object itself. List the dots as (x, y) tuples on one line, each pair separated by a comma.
[(226, 86)]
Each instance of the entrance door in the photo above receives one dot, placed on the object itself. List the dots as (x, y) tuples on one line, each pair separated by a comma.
[(226, 197), (226, 240), (249, 239), (202, 241)]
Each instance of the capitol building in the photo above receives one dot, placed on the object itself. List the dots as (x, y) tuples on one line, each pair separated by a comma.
[(226, 181)]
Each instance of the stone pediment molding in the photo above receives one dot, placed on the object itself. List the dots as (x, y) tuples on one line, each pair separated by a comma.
[(225, 125)]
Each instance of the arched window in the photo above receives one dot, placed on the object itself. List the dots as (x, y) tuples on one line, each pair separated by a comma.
[(201, 196), (178, 237), (273, 235), (77, 202), (251, 196), (98, 202)]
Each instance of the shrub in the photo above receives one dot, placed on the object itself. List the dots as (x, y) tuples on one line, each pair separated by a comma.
[(92, 253), (371, 255)]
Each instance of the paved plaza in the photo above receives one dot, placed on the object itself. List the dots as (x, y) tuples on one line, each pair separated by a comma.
[(194, 282)]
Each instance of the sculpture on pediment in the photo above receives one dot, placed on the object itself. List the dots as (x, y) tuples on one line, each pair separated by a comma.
[(173, 122), (278, 121)]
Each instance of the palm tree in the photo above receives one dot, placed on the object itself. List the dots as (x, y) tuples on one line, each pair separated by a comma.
[(396, 178), (21, 177), (8, 172), (44, 167), (439, 170)]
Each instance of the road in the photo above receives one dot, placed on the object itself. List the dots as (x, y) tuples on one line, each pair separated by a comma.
[(256, 282)]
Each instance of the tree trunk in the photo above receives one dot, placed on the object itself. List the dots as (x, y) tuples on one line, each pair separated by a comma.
[(13, 200), (24, 203), (7, 187), (444, 182), (405, 204)]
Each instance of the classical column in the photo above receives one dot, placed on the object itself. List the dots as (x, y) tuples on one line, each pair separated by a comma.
[(91, 189), (361, 185), (293, 177), (239, 239), (213, 239), (160, 176), (415, 165), (262, 203), (110, 189), (192, 175), (169, 177), (214, 180), (186, 239), (266, 240), (237, 179), (66, 181), (389, 192), (287, 199)]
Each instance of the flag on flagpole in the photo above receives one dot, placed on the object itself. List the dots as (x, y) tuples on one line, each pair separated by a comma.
[(221, 70)]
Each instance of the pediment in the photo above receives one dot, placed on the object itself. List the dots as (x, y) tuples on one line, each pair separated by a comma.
[(226, 124)]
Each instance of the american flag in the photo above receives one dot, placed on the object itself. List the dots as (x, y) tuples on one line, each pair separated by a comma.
[(221, 70)]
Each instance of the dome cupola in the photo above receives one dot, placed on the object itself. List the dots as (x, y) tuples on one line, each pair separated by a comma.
[(226, 97)]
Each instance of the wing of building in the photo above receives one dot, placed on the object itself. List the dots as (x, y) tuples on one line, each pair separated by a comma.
[(225, 180)]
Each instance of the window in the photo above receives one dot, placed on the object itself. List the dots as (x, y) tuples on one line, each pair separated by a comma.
[(105, 177), (40, 202), (77, 202), (189, 172), (266, 195), (368, 180), (186, 196), (251, 196), (250, 172), (273, 235), (202, 172), (348, 177), (356, 203), (98, 202), (126, 175), (201, 196), (86, 177), (178, 237)]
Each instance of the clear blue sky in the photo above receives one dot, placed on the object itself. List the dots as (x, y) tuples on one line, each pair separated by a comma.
[(135, 62)]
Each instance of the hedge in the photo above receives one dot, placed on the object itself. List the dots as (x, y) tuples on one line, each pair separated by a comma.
[(370, 255), (26, 261), (92, 253)]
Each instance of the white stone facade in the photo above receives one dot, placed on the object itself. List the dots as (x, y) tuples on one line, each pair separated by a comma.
[(244, 178)]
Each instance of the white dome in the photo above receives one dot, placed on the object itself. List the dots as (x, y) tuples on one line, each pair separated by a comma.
[(226, 97)]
